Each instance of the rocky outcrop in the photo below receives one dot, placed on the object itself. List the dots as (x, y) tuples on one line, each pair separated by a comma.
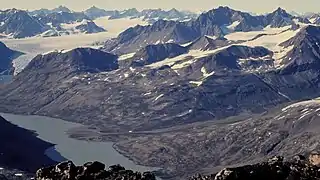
[(155, 53), (208, 43), (15, 174), (275, 168), (89, 27), (90, 171), (314, 159)]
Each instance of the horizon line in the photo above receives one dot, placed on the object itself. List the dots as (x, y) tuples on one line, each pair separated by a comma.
[(165, 9)]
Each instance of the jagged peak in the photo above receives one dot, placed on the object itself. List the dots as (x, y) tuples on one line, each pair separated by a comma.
[(218, 9), (93, 8), (224, 8), (174, 10), (62, 8), (14, 10), (282, 12)]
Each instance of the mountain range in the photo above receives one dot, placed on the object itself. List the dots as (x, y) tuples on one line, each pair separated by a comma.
[(44, 22), (223, 89), (217, 22), (20, 24)]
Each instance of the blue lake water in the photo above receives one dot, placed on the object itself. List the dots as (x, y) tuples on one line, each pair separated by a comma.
[(54, 131)]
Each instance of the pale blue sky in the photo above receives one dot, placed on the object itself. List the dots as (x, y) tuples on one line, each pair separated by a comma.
[(258, 6)]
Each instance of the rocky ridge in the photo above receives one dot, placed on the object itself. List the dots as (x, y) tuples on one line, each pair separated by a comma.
[(275, 168), (91, 170), (216, 23)]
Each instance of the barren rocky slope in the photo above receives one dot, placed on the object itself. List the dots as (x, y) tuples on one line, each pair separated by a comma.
[(185, 108)]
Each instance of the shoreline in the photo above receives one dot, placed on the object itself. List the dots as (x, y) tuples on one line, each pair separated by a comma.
[(89, 147)]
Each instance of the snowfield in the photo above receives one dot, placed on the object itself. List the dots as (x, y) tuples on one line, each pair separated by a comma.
[(270, 38), (39, 45), (238, 36), (115, 26), (273, 41)]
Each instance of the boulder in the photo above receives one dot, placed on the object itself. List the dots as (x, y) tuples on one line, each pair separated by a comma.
[(274, 169), (314, 159), (90, 171)]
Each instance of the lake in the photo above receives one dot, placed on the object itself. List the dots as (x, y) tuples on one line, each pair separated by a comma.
[(54, 131)]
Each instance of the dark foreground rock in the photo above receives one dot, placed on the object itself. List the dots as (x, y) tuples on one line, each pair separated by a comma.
[(14, 174), (274, 169), (90, 171)]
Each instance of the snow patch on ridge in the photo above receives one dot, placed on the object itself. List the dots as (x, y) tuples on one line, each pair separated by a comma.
[(205, 73), (309, 103), (211, 37), (269, 40), (186, 44), (233, 25), (197, 83), (245, 36), (157, 98), (126, 56), (272, 42), (184, 59)]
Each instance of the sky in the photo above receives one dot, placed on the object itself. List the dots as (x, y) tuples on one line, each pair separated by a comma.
[(256, 6)]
